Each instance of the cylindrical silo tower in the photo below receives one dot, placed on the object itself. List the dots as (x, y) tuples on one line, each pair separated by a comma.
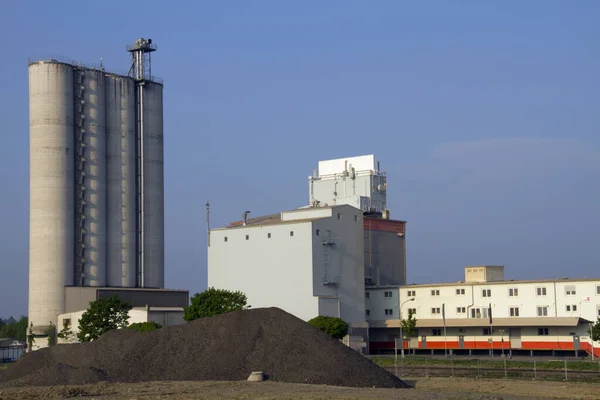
[(153, 186), (51, 186), (90, 183), (96, 181), (121, 181)]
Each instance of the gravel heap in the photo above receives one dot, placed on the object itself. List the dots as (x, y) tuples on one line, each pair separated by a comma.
[(225, 347)]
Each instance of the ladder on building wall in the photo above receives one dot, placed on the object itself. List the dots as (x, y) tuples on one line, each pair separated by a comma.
[(80, 178), (327, 245)]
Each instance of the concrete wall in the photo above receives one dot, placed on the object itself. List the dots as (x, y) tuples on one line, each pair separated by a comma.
[(341, 262), (385, 257), (289, 271), (78, 298), (273, 271)]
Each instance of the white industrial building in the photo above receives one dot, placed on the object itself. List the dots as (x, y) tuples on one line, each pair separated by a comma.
[(315, 260), (526, 316), (96, 183), (308, 262), (360, 182)]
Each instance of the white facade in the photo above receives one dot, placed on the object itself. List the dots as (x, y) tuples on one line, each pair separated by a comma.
[(544, 314), (308, 262), (165, 316), (355, 181)]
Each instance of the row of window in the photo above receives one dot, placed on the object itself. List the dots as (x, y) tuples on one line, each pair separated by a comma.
[(487, 332), (339, 216), (225, 239), (542, 311), (512, 292)]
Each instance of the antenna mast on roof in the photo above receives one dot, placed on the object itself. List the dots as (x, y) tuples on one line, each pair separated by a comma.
[(208, 222)]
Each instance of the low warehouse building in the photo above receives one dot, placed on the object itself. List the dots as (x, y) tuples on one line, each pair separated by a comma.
[(11, 350), (486, 312)]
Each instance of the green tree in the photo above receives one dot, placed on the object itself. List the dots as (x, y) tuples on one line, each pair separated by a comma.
[(214, 301), (330, 325), (595, 331), (30, 338), (103, 315), (51, 331), (145, 326), (15, 329), (66, 334), (409, 326)]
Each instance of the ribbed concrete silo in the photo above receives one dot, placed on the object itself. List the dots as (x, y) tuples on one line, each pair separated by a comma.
[(154, 226), (90, 177), (51, 184), (96, 181), (121, 181)]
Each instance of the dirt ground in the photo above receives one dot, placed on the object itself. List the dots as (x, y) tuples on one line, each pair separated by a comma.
[(425, 389)]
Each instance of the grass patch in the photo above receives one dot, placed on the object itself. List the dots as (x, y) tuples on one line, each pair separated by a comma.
[(412, 361), (3, 367)]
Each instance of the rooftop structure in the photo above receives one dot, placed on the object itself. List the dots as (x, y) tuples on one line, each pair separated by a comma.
[(356, 181)]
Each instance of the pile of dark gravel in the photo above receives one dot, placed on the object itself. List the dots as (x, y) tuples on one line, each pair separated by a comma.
[(226, 347)]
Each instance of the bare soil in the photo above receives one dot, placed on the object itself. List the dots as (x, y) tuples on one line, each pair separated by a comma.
[(425, 389), (226, 347)]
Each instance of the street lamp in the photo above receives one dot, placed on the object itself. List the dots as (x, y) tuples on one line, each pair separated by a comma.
[(592, 338), (402, 337)]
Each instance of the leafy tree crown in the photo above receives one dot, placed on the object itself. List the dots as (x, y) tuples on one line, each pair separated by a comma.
[(145, 326), (330, 325), (103, 315), (595, 331), (409, 325), (212, 302)]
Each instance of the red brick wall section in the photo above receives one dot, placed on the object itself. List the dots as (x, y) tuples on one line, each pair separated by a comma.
[(384, 225)]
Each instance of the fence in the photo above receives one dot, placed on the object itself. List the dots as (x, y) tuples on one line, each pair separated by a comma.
[(505, 368)]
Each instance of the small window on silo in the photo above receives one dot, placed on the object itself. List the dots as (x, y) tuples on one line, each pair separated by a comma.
[(356, 218), (291, 233), (317, 232), (247, 237), (225, 239), (269, 235), (339, 216)]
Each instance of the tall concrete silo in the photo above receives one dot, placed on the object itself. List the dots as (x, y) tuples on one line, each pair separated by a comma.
[(90, 170), (96, 181), (51, 188), (154, 226), (121, 181)]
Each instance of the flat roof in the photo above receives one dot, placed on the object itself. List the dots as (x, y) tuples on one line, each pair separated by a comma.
[(461, 283), (128, 289), (275, 219)]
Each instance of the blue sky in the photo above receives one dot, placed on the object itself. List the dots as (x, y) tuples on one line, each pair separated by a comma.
[(484, 114)]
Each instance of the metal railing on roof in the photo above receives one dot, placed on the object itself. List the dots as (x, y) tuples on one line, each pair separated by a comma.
[(92, 66)]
